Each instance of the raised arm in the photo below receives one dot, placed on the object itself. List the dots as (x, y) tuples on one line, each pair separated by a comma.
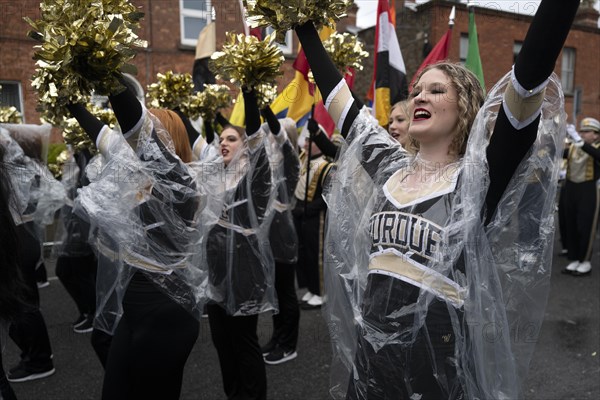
[(128, 110), (272, 121), (252, 111), (90, 124), (516, 126), (338, 97)]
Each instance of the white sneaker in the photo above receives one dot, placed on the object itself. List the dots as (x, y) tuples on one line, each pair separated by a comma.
[(315, 301), (307, 296), (584, 268), (572, 267)]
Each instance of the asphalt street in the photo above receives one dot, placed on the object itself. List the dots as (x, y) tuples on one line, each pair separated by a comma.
[(566, 364)]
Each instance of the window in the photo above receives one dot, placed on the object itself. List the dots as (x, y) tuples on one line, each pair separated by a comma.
[(194, 16), (11, 95), (288, 47), (568, 69), (464, 47), (516, 50)]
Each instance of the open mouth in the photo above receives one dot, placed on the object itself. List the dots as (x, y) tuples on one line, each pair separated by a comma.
[(421, 114), (224, 152)]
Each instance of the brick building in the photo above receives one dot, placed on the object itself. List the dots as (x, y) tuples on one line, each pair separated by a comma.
[(500, 35), (171, 28)]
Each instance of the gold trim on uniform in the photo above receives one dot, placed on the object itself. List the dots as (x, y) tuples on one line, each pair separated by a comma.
[(418, 275)]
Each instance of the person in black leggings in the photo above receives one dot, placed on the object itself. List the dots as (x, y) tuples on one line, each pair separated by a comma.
[(28, 330), (76, 265), (284, 242), (155, 334), (240, 262), (11, 286), (413, 328)]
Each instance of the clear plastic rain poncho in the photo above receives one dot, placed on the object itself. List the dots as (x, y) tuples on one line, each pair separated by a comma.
[(488, 283), (148, 212), (241, 267), (285, 169), (36, 192), (71, 233)]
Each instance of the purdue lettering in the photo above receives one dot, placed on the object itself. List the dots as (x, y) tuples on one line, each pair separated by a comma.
[(406, 232)]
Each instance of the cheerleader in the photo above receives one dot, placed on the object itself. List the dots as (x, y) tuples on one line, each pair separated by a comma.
[(154, 283), (11, 286), (37, 196), (240, 259), (284, 240), (425, 285)]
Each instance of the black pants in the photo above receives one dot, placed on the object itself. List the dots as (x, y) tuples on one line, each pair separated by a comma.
[(101, 344), (562, 217), (403, 367), (6, 392), (286, 322), (150, 346), (310, 252), (29, 331), (242, 366), (78, 276), (582, 205)]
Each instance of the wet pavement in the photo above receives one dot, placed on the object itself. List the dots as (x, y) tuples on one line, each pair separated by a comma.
[(566, 363)]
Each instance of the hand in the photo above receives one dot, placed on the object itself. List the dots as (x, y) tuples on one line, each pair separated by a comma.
[(574, 136)]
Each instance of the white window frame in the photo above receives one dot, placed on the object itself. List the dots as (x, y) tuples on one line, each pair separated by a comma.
[(288, 47), (463, 48), (207, 14), (567, 69), (20, 105)]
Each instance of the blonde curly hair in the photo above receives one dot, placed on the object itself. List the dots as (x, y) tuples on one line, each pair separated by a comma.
[(470, 99)]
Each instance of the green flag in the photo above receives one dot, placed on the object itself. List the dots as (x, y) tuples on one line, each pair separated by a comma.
[(473, 62)]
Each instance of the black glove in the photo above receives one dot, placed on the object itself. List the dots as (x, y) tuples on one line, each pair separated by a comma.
[(221, 120), (251, 110), (209, 131), (313, 128)]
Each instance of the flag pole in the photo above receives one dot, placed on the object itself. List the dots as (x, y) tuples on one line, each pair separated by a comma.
[(308, 156)]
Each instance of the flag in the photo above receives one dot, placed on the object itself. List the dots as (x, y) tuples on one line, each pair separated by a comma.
[(473, 62), (297, 98), (205, 47), (389, 76), (438, 53)]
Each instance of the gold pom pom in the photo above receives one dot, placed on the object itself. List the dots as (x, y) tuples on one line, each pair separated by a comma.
[(171, 91), (265, 94), (10, 115), (207, 102), (248, 61), (84, 47), (346, 51), (286, 15), (56, 166)]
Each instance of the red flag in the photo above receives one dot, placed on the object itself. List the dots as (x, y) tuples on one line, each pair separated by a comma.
[(256, 32), (438, 53), (389, 83)]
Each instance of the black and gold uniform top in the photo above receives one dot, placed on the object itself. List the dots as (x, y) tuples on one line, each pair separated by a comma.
[(583, 163)]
